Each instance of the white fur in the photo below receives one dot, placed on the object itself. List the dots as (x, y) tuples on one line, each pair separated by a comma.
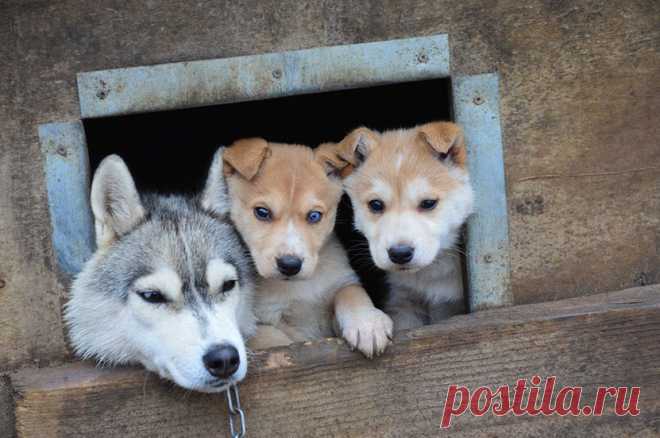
[(303, 308), (166, 339), (108, 320), (294, 243), (217, 272), (429, 233), (433, 277), (164, 280), (114, 200), (307, 309)]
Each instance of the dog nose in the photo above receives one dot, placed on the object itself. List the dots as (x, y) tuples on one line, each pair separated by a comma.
[(401, 254), (221, 360), (289, 265)]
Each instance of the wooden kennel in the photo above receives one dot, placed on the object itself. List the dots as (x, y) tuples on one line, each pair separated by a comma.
[(561, 99)]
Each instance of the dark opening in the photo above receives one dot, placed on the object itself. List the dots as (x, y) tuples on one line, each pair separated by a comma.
[(170, 151)]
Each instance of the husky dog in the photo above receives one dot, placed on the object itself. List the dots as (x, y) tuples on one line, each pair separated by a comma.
[(283, 202), (411, 193), (170, 285)]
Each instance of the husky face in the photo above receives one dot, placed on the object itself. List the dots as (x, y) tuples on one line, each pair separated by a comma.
[(169, 287), (410, 191)]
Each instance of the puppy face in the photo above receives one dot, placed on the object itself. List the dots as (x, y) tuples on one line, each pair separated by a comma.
[(283, 203), (410, 191)]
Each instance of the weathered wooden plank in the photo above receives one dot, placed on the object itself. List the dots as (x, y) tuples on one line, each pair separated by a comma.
[(477, 109), (213, 82), (323, 389), (579, 96)]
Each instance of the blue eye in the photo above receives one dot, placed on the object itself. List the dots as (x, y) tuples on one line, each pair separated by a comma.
[(376, 206), (428, 204), (152, 296), (262, 213), (314, 216)]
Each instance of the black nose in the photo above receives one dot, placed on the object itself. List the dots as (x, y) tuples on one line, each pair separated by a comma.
[(401, 254), (289, 265), (222, 360)]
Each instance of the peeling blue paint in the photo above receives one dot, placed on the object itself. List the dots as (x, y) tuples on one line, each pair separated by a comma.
[(67, 181), (477, 109)]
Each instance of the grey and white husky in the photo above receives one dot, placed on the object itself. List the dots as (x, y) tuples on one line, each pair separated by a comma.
[(170, 285)]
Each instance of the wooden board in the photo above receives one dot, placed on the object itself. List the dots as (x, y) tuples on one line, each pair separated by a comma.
[(580, 100), (325, 390)]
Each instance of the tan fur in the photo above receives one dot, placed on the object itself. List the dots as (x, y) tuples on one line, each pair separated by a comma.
[(418, 149), (401, 168), (246, 156), (360, 142), (291, 181), (445, 137)]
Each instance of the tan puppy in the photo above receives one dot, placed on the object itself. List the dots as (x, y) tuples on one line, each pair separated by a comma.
[(283, 202), (411, 193)]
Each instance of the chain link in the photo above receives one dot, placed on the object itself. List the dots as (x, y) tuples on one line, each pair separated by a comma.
[(235, 412)]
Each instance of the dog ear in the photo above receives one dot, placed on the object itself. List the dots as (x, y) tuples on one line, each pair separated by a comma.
[(115, 201), (446, 139), (245, 157), (215, 198), (356, 147), (326, 155)]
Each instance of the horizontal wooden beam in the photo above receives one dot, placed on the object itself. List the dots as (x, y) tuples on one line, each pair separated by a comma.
[(324, 389)]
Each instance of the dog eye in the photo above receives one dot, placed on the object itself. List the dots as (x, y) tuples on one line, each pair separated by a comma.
[(376, 206), (152, 296), (428, 204), (228, 285), (262, 213), (314, 216)]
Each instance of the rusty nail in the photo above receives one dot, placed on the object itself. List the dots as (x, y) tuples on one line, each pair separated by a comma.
[(277, 73), (478, 100), (488, 258), (422, 58), (2, 283), (61, 151)]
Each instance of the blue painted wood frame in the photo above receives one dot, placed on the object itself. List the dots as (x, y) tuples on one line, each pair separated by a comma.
[(66, 165), (476, 108), (190, 84)]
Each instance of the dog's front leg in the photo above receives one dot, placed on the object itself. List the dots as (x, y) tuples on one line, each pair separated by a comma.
[(268, 336), (405, 313), (360, 323)]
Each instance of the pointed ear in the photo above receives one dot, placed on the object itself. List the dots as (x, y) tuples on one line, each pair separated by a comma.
[(115, 201), (326, 155), (446, 139), (356, 146), (245, 157), (215, 198)]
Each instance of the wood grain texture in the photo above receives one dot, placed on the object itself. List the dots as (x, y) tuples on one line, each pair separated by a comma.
[(323, 389), (579, 94)]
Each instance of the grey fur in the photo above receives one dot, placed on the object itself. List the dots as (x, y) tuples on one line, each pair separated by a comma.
[(175, 232)]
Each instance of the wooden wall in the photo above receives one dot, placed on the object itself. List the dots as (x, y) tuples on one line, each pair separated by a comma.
[(580, 108)]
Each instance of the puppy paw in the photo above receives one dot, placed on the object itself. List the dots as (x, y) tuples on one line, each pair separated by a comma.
[(367, 329)]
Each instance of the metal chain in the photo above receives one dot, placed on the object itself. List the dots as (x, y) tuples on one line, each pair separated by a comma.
[(235, 412)]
